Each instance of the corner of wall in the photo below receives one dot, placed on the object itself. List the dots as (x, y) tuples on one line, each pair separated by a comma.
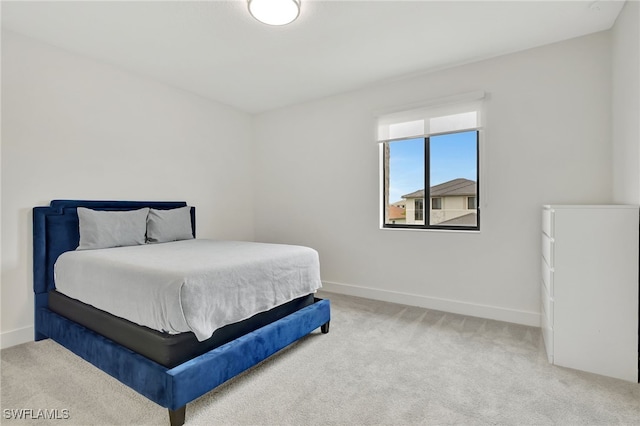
[(16, 337), (625, 104)]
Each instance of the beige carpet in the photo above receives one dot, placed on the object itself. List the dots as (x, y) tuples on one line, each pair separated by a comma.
[(381, 363)]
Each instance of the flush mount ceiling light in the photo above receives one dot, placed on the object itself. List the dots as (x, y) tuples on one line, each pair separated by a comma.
[(274, 12)]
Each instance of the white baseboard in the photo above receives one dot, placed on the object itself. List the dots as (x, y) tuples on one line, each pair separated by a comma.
[(24, 335), (446, 305), (16, 337)]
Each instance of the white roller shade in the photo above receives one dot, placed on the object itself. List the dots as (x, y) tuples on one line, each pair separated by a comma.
[(406, 130), (452, 114), (454, 122)]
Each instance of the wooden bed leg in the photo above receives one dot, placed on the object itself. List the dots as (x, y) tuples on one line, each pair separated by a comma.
[(325, 327), (176, 417)]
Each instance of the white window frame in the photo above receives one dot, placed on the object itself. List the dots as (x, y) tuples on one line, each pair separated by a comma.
[(410, 121)]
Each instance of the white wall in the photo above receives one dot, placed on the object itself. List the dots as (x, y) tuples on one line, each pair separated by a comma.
[(75, 128), (625, 109), (547, 140)]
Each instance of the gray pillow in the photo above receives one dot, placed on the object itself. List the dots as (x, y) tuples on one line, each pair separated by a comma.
[(104, 229), (169, 225)]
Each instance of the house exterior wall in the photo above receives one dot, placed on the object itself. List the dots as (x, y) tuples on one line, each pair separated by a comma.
[(411, 212), (452, 207)]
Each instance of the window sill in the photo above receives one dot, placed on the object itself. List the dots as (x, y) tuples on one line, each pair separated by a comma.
[(456, 231)]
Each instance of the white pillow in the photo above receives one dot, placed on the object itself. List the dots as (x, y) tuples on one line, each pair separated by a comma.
[(104, 229), (169, 225)]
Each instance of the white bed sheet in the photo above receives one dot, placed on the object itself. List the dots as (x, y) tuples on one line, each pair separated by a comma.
[(194, 285)]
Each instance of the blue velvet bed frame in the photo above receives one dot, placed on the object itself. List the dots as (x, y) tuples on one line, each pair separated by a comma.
[(55, 230)]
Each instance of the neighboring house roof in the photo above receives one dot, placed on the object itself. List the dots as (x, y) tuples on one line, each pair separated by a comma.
[(418, 194), (396, 213), (467, 219), (458, 186)]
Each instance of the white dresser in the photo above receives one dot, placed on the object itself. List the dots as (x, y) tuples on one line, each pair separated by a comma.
[(589, 288)]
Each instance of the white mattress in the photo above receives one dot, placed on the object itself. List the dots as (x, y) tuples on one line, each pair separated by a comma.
[(194, 285)]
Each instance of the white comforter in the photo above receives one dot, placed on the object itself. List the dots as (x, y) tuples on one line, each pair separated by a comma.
[(194, 285)]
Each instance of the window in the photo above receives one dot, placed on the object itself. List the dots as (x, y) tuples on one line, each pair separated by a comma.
[(419, 210), (471, 203), (431, 154), (436, 203)]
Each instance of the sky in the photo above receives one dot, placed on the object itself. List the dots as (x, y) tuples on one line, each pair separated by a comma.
[(452, 156)]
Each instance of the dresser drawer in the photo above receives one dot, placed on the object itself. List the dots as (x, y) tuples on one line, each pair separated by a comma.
[(547, 249), (547, 335), (547, 222), (547, 277), (547, 304)]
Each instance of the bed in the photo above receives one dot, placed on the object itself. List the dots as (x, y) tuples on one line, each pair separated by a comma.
[(170, 369)]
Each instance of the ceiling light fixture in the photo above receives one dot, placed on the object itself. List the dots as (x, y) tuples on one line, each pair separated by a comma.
[(274, 12)]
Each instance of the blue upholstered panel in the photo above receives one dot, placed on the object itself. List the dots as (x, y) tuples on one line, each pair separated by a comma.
[(199, 375), (174, 388), (134, 370)]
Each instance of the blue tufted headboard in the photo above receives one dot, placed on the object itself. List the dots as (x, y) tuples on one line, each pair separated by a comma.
[(55, 231)]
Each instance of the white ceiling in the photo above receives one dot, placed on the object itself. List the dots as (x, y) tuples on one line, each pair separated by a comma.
[(217, 50)]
